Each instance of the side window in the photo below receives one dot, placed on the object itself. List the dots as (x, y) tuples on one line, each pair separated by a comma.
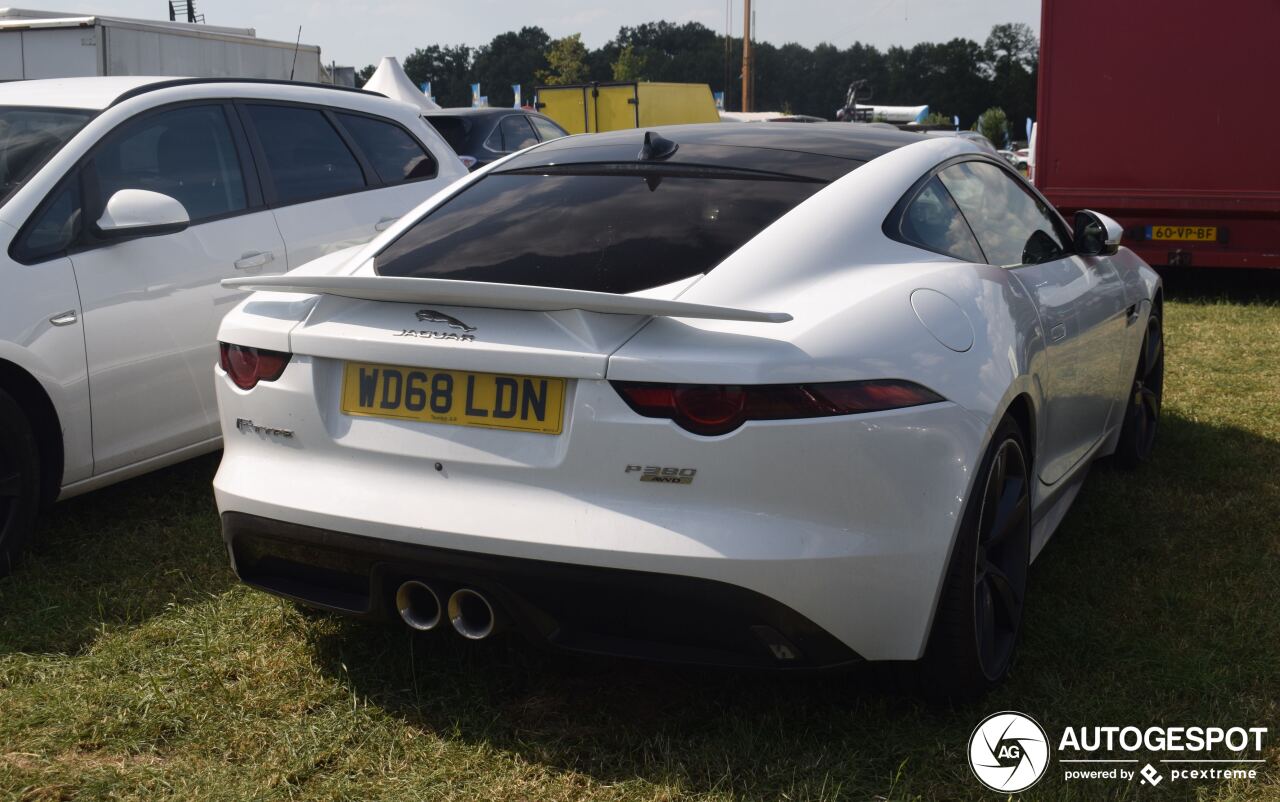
[(306, 157), (547, 130), (514, 133), (187, 154), (933, 221), (395, 155), (1012, 225), (53, 228)]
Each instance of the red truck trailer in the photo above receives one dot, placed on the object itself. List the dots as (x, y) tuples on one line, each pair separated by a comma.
[(1161, 114)]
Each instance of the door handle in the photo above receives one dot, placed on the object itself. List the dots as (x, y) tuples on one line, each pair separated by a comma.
[(252, 259), (384, 223)]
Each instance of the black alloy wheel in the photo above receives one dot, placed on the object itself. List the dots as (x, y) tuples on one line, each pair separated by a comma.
[(979, 615), (1003, 556), (1142, 411)]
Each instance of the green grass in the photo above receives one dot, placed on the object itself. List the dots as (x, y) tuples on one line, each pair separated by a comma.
[(132, 666)]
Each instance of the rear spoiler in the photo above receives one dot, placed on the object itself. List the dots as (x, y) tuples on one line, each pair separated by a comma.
[(450, 292)]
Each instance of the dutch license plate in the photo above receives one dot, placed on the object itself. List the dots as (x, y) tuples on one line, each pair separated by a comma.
[(457, 397), (1183, 233)]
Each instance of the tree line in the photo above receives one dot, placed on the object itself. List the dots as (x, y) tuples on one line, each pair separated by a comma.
[(960, 77)]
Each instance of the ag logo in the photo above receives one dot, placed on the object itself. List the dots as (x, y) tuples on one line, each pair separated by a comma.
[(1008, 752)]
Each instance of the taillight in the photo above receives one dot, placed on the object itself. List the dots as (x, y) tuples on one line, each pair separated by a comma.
[(712, 409), (247, 366)]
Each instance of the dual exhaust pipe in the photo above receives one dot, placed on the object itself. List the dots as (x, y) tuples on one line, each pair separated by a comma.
[(469, 611)]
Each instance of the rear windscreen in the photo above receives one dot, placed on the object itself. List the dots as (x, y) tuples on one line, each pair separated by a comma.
[(618, 232), (453, 130)]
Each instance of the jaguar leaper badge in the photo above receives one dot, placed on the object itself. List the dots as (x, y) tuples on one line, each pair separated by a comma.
[(432, 316)]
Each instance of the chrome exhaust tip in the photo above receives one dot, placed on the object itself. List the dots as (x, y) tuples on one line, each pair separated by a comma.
[(419, 605), (471, 614)]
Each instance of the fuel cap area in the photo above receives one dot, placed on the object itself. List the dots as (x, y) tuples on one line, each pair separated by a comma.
[(944, 319)]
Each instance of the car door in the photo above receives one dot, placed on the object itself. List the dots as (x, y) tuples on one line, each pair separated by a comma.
[(335, 178), (152, 305), (1080, 301), (40, 289)]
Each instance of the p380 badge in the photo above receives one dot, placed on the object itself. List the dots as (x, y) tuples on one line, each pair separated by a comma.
[(663, 475)]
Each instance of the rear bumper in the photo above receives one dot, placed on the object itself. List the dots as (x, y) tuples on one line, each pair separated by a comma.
[(847, 521), (576, 608)]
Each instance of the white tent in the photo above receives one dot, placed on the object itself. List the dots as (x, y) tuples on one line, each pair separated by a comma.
[(389, 79)]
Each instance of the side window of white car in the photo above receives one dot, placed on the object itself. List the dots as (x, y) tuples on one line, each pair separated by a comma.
[(1012, 225), (306, 156), (395, 155), (933, 221), (187, 153)]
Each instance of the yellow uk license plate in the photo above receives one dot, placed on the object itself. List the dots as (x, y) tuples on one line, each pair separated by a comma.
[(460, 398), (1183, 233)]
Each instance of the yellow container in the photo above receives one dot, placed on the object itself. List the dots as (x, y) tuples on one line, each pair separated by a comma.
[(589, 108)]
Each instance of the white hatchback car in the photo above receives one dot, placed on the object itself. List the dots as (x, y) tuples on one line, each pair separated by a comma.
[(123, 203)]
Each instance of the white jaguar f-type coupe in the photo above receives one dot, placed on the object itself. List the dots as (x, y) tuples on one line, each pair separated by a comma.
[(788, 396)]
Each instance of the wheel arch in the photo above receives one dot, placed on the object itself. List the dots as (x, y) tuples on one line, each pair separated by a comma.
[(27, 391), (1022, 411)]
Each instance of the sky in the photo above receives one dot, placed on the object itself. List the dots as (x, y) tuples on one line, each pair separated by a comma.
[(360, 32)]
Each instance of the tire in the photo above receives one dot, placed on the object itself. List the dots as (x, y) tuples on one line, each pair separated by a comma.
[(979, 616), (19, 482), (1142, 410)]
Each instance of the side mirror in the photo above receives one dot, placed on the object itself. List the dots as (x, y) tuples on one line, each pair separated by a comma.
[(1096, 234), (141, 213)]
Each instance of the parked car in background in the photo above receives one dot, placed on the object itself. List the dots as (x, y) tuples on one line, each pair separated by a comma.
[(1016, 158), (481, 136), (576, 396), (123, 203)]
